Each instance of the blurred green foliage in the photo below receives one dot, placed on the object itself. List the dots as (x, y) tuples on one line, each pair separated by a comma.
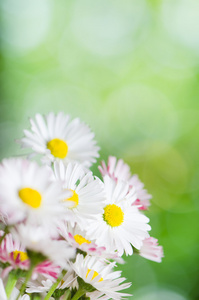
[(130, 70)]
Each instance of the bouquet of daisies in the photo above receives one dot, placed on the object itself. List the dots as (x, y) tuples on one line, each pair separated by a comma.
[(63, 230)]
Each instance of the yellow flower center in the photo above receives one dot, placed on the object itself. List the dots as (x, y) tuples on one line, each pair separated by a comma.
[(113, 215), (95, 274), (74, 198), (30, 197), (58, 148), (22, 255), (80, 239)]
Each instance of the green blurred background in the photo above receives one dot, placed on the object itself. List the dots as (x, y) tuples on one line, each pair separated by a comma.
[(130, 70)]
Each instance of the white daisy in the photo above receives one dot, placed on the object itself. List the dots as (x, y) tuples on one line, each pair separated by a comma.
[(43, 285), (151, 250), (101, 276), (79, 239), (58, 138), (88, 192), (27, 192), (119, 170), (121, 224)]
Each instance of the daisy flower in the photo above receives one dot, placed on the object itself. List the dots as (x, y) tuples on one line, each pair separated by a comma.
[(121, 224), (27, 192), (43, 285), (87, 192), (57, 138), (13, 253), (151, 250), (40, 285), (118, 170), (101, 276), (79, 239)]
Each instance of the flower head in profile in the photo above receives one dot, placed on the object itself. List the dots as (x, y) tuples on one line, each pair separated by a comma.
[(100, 276), (151, 250), (57, 138), (119, 170), (87, 192), (26, 192), (121, 225)]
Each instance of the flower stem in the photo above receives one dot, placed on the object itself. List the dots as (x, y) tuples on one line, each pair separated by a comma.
[(78, 294), (51, 291), (12, 280), (54, 286), (28, 276), (67, 295)]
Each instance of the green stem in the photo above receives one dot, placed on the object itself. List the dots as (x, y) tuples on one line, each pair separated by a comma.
[(28, 276), (54, 286), (78, 294), (12, 280), (67, 295), (35, 297), (52, 289)]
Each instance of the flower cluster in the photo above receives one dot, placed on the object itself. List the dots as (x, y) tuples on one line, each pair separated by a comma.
[(63, 230)]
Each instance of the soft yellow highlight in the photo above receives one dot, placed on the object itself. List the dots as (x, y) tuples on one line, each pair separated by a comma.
[(74, 198), (58, 148), (95, 274), (113, 215), (30, 197), (80, 239), (22, 255)]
